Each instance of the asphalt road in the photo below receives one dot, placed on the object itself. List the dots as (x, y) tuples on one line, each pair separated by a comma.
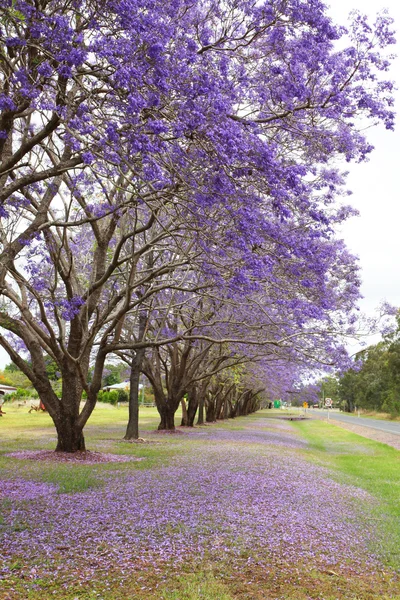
[(386, 426)]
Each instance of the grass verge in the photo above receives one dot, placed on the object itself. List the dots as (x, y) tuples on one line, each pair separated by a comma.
[(364, 463)]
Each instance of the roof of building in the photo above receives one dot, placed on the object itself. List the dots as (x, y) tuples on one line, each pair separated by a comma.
[(7, 388), (120, 386)]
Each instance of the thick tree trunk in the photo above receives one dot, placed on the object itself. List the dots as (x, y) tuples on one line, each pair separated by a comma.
[(219, 407), (210, 410), (226, 410), (166, 406), (65, 415), (167, 415), (214, 404), (69, 437), (68, 420), (193, 403), (223, 404)]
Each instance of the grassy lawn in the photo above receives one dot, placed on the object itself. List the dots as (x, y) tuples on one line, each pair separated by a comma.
[(181, 487), (20, 430), (370, 465)]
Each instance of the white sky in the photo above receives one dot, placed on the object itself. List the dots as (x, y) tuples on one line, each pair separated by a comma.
[(374, 236)]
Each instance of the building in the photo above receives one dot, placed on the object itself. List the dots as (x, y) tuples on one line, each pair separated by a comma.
[(125, 385), (6, 389)]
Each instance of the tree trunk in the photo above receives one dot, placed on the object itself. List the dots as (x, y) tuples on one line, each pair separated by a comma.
[(66, 417), (219, 407), (248, 402), (132, 429), (166, 406), (200, 418), (167, 414), (70, 436), (193, 403), (210, 410), (226, 408)]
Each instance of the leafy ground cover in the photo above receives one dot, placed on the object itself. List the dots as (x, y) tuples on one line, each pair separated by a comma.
[(252, 509)]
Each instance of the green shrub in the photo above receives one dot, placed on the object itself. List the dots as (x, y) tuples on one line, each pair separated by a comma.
[(123, 396), (110, 397), (21, 393), (391, 404), (148, 396)]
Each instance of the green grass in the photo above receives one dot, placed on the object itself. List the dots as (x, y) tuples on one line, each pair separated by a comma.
[(196, 587), (370, 465), (20, 430), (29, 430), (348, 457), (188, 586)]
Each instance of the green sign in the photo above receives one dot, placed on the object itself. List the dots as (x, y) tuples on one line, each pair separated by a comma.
[(277, 403)]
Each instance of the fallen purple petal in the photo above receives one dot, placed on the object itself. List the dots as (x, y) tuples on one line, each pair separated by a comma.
[(244, 493)]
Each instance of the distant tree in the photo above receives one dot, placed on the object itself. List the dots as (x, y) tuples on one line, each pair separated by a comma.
[(52, 369), (372, 384), (11, 368), (329, 388), (348, 390), (4, 379), (16, 378), (114, 373)]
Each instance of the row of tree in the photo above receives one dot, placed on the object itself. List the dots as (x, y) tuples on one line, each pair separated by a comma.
[(168, 175)]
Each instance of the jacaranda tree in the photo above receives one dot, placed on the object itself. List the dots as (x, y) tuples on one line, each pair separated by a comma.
[(204, 131)]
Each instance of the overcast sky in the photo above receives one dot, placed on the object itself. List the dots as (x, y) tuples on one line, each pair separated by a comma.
[(374, 236)]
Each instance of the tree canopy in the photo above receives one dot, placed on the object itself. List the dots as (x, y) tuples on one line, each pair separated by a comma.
[(158, 156)]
